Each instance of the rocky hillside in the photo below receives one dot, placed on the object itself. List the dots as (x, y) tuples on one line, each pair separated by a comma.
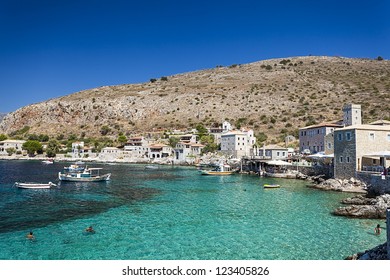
[(2, 115), (273, 96)]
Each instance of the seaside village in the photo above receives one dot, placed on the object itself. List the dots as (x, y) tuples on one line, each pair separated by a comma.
[(344, 155)]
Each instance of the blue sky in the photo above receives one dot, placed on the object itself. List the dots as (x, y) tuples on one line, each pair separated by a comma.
[(54, 48)]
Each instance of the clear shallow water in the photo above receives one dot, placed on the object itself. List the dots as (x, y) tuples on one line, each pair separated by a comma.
[(173, 213)]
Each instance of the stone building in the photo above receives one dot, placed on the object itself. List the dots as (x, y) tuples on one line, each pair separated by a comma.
[(312, 138), (352, 114), (238, 143), (355, 148)]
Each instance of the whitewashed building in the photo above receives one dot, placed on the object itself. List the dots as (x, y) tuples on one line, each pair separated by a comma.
[(137, 147), (157, 151), (238, 143), (186, 152), (11, 144)]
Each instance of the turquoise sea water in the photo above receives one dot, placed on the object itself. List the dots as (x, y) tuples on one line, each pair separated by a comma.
[(173, 213)]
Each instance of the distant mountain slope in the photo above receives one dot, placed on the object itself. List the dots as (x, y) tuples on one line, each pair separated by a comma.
[(274, 96)]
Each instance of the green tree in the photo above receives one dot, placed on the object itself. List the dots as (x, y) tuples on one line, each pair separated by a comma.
[(210, 145), (261, 138), (53, 147), (3, 137), (201, 130), (43, 138), (10, 151), (122, 139), (173, 141), (32, 147), (105, 130)]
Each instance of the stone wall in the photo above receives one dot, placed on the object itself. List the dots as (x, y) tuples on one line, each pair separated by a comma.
[(314, 170), (376, 185)]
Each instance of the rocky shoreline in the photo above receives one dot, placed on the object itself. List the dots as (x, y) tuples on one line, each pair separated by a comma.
[(359, 206), (377, 253)]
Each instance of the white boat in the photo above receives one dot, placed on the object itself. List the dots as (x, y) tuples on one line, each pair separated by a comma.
[(151, 167), (34, 185), (47, 161), (75, 167), (222, 169), (271, 186), (87, 175)]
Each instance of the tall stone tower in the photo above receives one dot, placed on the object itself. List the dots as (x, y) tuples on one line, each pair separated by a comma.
[(352, 114)]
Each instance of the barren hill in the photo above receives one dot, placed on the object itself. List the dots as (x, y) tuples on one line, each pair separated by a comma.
[(274, 96)]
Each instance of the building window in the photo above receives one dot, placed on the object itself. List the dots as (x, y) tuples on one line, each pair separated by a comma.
[(371, 136), (388, 137), (348, 159), (339, 136), (341, 159), (329, 146), (348, 136)]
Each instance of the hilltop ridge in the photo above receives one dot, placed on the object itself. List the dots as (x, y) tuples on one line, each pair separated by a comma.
[(275, 96)]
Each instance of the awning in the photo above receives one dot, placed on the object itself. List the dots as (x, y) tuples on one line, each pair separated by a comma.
[(278, 162), (320, 155), (384, 154)]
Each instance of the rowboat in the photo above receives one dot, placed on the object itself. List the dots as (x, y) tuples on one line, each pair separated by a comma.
[(34, 185), (87, 175), (270, 186)]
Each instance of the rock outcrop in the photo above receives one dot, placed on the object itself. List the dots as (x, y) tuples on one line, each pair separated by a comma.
[(351, 185), (377, 253), (363, 207)]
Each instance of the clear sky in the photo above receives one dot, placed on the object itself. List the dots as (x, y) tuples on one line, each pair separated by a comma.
[(54, 48)]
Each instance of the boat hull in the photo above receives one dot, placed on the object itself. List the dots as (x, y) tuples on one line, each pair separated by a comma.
[(268, 186), (34, 185), (77, 178), (217, 173)]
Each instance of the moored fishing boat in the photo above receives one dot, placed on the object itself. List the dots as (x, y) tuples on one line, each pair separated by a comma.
[(87, 175), (222, 169), (34, 185), (78, 167)]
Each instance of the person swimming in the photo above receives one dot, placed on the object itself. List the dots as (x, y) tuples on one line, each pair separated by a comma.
[(30, 235), (90, 229), (377, 229)]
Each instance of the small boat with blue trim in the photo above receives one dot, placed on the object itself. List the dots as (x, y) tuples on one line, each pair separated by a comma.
[(222, 169)]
